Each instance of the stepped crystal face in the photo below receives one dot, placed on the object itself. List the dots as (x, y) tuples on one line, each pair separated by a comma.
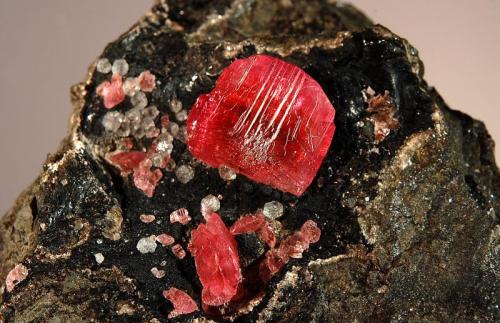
[(266, 119)]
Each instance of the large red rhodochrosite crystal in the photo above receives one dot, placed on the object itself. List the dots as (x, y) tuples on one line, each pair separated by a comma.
[(216, 258), (266, 119)]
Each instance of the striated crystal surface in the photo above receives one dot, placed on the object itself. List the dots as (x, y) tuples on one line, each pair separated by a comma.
[(217, 262), (266, 119)]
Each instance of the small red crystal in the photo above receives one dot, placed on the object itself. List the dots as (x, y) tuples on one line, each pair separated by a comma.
[(145, 179), (111, 92), (126, 161), (180, 215), (146, 81), (217, 262), (266, 233), (182, 302), (178, 251), (266, 119), (248, 223), (165, 239)]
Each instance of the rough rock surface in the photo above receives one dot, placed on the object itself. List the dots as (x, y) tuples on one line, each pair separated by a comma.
[(409, 219)]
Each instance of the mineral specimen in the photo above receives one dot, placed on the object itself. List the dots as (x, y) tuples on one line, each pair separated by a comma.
[(405, 201), (266, 119)]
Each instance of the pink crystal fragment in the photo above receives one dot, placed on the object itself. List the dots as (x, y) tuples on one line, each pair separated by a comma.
[(146, 81), (182, 302), (180, 215), (126, 161), (266, 233), (292, 247), (178, 251), (217, 262), (147, 218), (111, 92), (266, 119), (15, 276), (145, 179), (248, 223), (165, 239)]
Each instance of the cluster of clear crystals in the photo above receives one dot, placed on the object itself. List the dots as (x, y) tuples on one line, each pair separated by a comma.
[(138, 124)]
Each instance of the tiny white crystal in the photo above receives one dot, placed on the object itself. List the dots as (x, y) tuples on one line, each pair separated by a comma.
[(209, 205), (112, 121), (181, 116), (175, 106), (147, 244), (227, 173), (158, 273), (139, 100), (99, 258), (184, 173), (103, 66), (273, 210), (120, 66)]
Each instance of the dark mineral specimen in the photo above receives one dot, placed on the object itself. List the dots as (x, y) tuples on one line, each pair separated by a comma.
[(405, 203)]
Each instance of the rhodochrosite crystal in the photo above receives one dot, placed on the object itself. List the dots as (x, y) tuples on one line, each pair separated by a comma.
[(266, 119), (182, 302), (217, 262)]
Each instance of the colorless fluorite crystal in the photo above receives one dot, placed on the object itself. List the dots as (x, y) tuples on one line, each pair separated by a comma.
[(209, 204), (273, 210), (120, 67), (184, 173), (147, 245), (103, 66)]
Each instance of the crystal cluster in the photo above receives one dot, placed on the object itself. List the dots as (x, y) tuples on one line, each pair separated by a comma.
[(292, 247), (266, 119), (182, 302), (382, 113), (139, 123)]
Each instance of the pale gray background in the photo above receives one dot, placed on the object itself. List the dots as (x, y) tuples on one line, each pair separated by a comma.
[(46, 46)]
